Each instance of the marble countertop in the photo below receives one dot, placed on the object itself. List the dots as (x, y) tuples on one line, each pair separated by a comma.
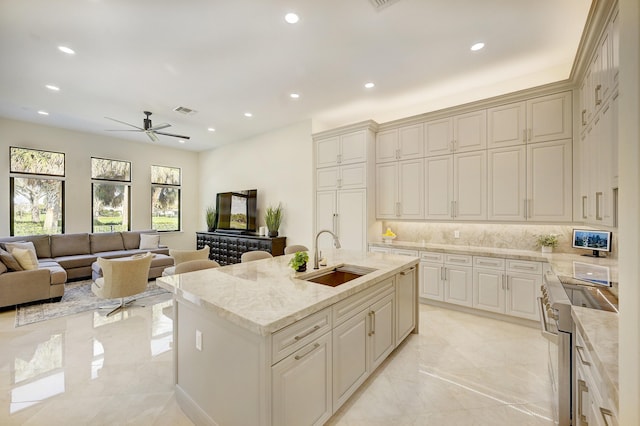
[(266, 295), (600, 332)]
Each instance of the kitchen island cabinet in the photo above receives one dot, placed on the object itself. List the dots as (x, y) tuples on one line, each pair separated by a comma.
[(259, 344)]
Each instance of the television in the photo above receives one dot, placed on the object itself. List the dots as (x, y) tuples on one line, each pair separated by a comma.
[(596, 241), (236, 211)]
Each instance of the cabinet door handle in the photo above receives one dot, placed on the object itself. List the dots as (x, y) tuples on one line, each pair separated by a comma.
[(525, 208), (579, 350), (598, 88), (407, 271), (339, 158), (524, 135), (502, 281), (529, 134), (307, 333), (397, 154), (372, 319), (452, 210), (605, 412), (582, 387), (443, 273), (584, 119), (584, 210), (335, 220), (598, 205), (339, 183), (313, 348), (398, 209)]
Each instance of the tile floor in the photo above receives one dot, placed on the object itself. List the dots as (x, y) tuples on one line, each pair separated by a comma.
[(85, 369)]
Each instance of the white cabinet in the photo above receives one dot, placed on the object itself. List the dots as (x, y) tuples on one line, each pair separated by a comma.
[(406, 302), (400, 190), (431, 275), (549, 118), (549, 181), (456, 186), (460, 133), (592, 403), (362, 338), (507, 183), (343, 177), (489, 284), (458, 279), (523, 283), (541, 119), (348, 148), (342, 212), (507, 125), (302, 385), (404, 143)]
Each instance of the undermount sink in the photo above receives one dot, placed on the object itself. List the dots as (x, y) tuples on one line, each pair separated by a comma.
[(339, 275)]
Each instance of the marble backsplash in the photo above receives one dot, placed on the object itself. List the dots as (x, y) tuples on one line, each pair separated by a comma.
[(516, 236)]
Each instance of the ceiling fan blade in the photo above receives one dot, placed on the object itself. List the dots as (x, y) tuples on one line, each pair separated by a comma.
[(122, 122), (160, 126), (152, 136), (123, 130), (173, 134)]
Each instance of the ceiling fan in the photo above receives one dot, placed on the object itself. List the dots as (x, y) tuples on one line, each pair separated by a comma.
[(148, 128)]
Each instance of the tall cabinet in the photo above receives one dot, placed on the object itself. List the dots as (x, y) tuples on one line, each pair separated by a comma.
[(344, 179)]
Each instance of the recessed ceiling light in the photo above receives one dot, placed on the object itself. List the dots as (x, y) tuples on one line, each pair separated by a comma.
[(52, 87), (294, 95), (182, 141), (211, 129), (370, 85), (291, 18), (66, 50), (43, 112), (477, 46), (248, 114)]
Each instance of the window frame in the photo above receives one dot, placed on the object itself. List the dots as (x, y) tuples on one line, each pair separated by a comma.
[(177, 186), (110, 181)]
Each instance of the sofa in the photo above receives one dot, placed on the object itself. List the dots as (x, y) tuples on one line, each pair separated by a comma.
[(66, 257)]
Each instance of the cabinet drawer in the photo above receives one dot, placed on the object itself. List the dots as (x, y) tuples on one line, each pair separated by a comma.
[(350, 306), (428, 256), (524, 266), (293, 337), (403, 252), (458, 259), (488, 262), (376, 249)]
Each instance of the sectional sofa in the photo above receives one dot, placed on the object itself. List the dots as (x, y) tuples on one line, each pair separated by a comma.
[(66, 257)]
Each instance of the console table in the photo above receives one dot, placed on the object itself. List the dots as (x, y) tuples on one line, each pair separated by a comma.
[(227, 248)]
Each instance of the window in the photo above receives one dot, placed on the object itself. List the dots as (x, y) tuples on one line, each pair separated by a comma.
[(36, 183), (111, 195), (165, 198)]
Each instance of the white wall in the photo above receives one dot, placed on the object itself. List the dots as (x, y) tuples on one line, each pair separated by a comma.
[(278, 164), (79, 148), (629, 229)]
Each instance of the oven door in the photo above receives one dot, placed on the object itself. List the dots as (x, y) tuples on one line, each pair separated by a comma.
[(549, 331)]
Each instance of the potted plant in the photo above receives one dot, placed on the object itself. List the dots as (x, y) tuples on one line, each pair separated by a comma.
[(547, 242), (273, 218), (299, 261), (210, 217)]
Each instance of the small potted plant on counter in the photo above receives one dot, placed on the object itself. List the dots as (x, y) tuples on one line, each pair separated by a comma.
[(210, 217), (273, 218), (547, 242), (299, 261)]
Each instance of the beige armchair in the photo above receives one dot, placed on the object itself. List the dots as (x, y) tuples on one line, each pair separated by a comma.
[(182, 256), (294, 249), (196, 265), (122, 278), (254, 255)]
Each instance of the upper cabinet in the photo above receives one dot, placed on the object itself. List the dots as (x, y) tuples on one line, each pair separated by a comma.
[(404, 143), (343, 149), (507, 125), (460, 133)]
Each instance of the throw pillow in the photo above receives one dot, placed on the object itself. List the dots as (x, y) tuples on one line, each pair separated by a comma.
[(10, 261), (149, 241), (26, 258), (3, 268), (27, 245)]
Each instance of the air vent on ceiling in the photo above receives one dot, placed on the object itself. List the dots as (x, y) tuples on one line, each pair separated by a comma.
[(185, 110), (381, 4)]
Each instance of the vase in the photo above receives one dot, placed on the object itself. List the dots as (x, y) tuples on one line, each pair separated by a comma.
[(273, 234), (302, 268), (547, 249)]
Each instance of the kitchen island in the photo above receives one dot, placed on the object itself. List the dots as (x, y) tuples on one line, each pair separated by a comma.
[(256, 343)]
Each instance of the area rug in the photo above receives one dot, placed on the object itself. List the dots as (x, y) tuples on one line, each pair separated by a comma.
[(77, 298)]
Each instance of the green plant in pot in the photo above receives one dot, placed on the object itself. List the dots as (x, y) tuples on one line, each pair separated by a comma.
[(547, 242), (210, 217), (299, 261), (273, 218)]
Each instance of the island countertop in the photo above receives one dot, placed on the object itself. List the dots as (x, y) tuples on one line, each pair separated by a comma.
[(264, 296)]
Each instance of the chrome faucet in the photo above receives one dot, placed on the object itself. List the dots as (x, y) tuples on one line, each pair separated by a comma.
[(336, 243)]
